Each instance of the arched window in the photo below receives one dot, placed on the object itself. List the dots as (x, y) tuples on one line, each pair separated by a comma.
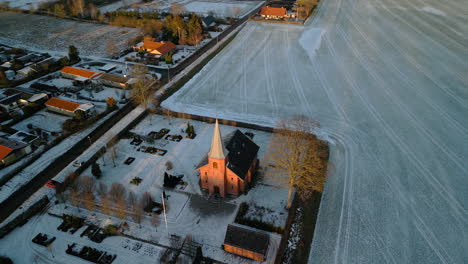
[(215, 165)]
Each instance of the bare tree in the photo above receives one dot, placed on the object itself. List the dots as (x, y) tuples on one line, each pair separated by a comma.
[(137, 212), (105, 205), (131, 199), (87, 184), (236, 11), (112, 147), (177, 9), (121, 207), (102, 189), (155, 220), (295, 152), (168, 114), (117, 192), (141, 90), (75, 198), (89, 201), (77, 7), (146, 201)]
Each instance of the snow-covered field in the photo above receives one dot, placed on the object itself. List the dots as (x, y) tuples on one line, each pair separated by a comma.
[(387, 81), (221, 8), (24, 4), (55, 35)]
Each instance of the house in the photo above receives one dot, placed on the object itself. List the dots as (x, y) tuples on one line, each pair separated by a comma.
[(269, 12), (88, 109), (10, 74), (78, 74), (7, 65), (160, 48), (12, 150), (227, 170), (24, 137), (208, 21), (26, 72), (12, 99), (246, 243), (113, 80)]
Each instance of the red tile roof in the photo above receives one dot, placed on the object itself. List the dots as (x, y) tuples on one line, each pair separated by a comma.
[(273, 11), (4, 151), (80, 72), (62, 104), (161, 47)]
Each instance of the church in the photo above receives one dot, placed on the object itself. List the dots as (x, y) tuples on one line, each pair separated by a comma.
[(230, 164)]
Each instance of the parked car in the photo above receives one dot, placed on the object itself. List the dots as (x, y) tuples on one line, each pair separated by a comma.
[(52, 184), (78, 163)]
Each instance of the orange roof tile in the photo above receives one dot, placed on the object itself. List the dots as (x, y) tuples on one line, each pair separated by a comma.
[(62, 104), (4, 151), (80, 72), (161, 47), (273, 11)]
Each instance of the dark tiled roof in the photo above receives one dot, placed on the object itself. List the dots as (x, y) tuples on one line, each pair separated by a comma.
[(113, 78), (247, 239), (242, 152), (208, 20)]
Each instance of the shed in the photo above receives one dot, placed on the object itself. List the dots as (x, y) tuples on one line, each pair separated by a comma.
[(246, 243)]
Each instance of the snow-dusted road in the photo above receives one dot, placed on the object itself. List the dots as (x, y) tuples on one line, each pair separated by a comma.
[(388, 81)]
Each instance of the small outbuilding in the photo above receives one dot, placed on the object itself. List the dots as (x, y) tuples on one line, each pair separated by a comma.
[(246, 243), (61, 106), (113, 80)]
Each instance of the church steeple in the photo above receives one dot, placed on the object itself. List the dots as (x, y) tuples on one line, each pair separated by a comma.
[(217, 148)]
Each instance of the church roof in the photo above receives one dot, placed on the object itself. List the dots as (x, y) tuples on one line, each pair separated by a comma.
[(217, 149), (242, 152)]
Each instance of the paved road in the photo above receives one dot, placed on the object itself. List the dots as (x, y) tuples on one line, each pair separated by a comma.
[(388, 81)]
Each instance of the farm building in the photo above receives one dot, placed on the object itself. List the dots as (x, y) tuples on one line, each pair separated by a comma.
[(12, 150), (157, 48), (227, 170), (61, 106), (246, 243), (78, 74), (68, 108), (269, 12), (113, 80)]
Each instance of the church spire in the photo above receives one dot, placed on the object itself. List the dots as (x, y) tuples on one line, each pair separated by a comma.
[(217, 148)]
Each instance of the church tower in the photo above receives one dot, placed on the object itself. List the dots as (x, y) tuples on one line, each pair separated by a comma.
[(216, 164)]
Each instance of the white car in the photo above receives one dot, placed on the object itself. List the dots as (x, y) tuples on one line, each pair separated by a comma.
[(78, 163)]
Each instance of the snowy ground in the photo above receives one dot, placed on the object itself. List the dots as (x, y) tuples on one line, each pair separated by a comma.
[(44, 120), (53, 34), (24, 4), (387, 81), (189, 213)]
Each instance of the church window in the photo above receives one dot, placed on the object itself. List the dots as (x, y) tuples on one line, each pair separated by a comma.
[(215, 165)]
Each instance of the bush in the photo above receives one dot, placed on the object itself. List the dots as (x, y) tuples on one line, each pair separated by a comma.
[(169, 165), (5, 260), (96, 170), (111, 230), (136, 181)]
